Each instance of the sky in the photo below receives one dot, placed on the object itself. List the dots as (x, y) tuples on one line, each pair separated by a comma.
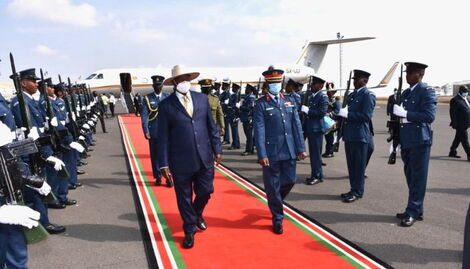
[(76, 37)]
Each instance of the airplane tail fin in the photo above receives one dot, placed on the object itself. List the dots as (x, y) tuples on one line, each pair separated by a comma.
[(313, 53), (384, 82)]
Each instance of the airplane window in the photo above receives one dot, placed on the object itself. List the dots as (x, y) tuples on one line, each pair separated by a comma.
[(91, 76), (99, 76)]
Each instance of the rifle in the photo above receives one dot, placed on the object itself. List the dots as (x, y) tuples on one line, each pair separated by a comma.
[(340, 122), (394, 123)]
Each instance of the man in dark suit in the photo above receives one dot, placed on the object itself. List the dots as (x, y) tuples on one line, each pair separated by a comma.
[(460, 121), (417, 112), (189, 142)]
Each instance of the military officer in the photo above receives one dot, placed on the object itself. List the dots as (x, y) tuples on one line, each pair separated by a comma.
[(315, 111), (292, 92), (233, 115), (279, 143), (334, 105), (214, 103), (224, 99), (460, 121), (417, 112), (356, 133), (149, 115), (246, 117)]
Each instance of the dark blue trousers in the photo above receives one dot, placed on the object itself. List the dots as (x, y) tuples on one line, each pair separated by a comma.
[(34, 200), (70, 158), (315, 143), (416, 160), (202, 182), (279, 178), (154, 158), (227, 130), (356, 158), (330, 139), (248, 130), (235, 136), (370, 150), (13, 250)]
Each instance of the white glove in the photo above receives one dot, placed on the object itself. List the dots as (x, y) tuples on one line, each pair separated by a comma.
[(44, 190), (343, 112), (91, 123), (391, 148), (86, 126), (63, 122), (84, 108), (81, 137), (73, 117), (33, 133), (78, 108), (88, 107), (58, 163), (238, 105), (6, 135), (304, 109), (77, 146), (54, 122), (19, 215), (226, 102), (399, 111)]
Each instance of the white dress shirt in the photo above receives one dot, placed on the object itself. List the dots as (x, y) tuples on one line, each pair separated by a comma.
[(181, 99)]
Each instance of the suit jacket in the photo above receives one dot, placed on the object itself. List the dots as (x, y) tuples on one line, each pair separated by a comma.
[(459, 113), (246, 109), (186, 143), (420, 105), (149, 113), (6, 116), (278, 132), (356, 128), (318, 106)]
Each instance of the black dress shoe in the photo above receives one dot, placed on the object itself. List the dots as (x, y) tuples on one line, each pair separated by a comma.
[(92, 144), (158, 181), (407, 222), (351, 198), (169, 183), (233, 148), (246, 153), (346, 194), (69, 202), (72, 187), (365, 176), (80, 172), (201, 223), (454, 155), (404, 216), (83, 162), (328, 155), (188, 241), (225, 143), (54, 229), (89, 149), (313, 181), (277, 229), (323, 164), (56, 205), (78, 184)]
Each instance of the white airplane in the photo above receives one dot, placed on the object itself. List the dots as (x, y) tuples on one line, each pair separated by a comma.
[(137, 80)]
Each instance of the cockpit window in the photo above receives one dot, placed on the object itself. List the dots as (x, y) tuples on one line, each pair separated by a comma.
[(91, 76), (99, 76)]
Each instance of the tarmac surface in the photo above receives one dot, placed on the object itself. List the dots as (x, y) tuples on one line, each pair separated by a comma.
[(103, 230)]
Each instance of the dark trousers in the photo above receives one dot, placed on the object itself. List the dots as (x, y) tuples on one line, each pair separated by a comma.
[(330, 139), (370, 150), (154, 158), (466, 243), (59, 186), (461, 136), (416, 160), (235, 136), (111, 108), (13, 250), (227, 130), (34, 200), (248, 130), (202, 184), (103, 125), (356, 158), (279, 178), (71, 158), (315, 143)]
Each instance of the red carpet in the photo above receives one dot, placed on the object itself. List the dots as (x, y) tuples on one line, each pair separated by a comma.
[(239, 221)]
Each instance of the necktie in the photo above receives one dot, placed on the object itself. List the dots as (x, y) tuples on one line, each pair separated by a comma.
[(186, 105), (276, 100)]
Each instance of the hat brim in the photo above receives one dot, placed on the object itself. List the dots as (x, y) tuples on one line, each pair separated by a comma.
[(186, 77)]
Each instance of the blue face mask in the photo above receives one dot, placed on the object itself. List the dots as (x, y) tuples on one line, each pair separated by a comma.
[(275, 88), (464, 94)]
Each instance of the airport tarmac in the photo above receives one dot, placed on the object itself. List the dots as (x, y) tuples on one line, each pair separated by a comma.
[(103, 230)]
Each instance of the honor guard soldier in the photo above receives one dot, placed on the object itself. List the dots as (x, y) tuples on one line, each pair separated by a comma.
[(214, 103), (292, 92), (29, 85), (149, 115), (460, 121), (246, 117), (356, 133), (417, 112), (334, 105), (279, 143), (233, 115), (224, 99), (315, 111)]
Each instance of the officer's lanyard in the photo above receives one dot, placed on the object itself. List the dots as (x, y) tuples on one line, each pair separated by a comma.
[(151, 109)]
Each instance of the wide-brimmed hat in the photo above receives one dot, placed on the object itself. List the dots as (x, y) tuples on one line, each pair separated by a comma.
[(177, 73)]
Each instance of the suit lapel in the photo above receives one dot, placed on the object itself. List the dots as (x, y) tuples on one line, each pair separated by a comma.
[(177, 104), (195, 103)]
